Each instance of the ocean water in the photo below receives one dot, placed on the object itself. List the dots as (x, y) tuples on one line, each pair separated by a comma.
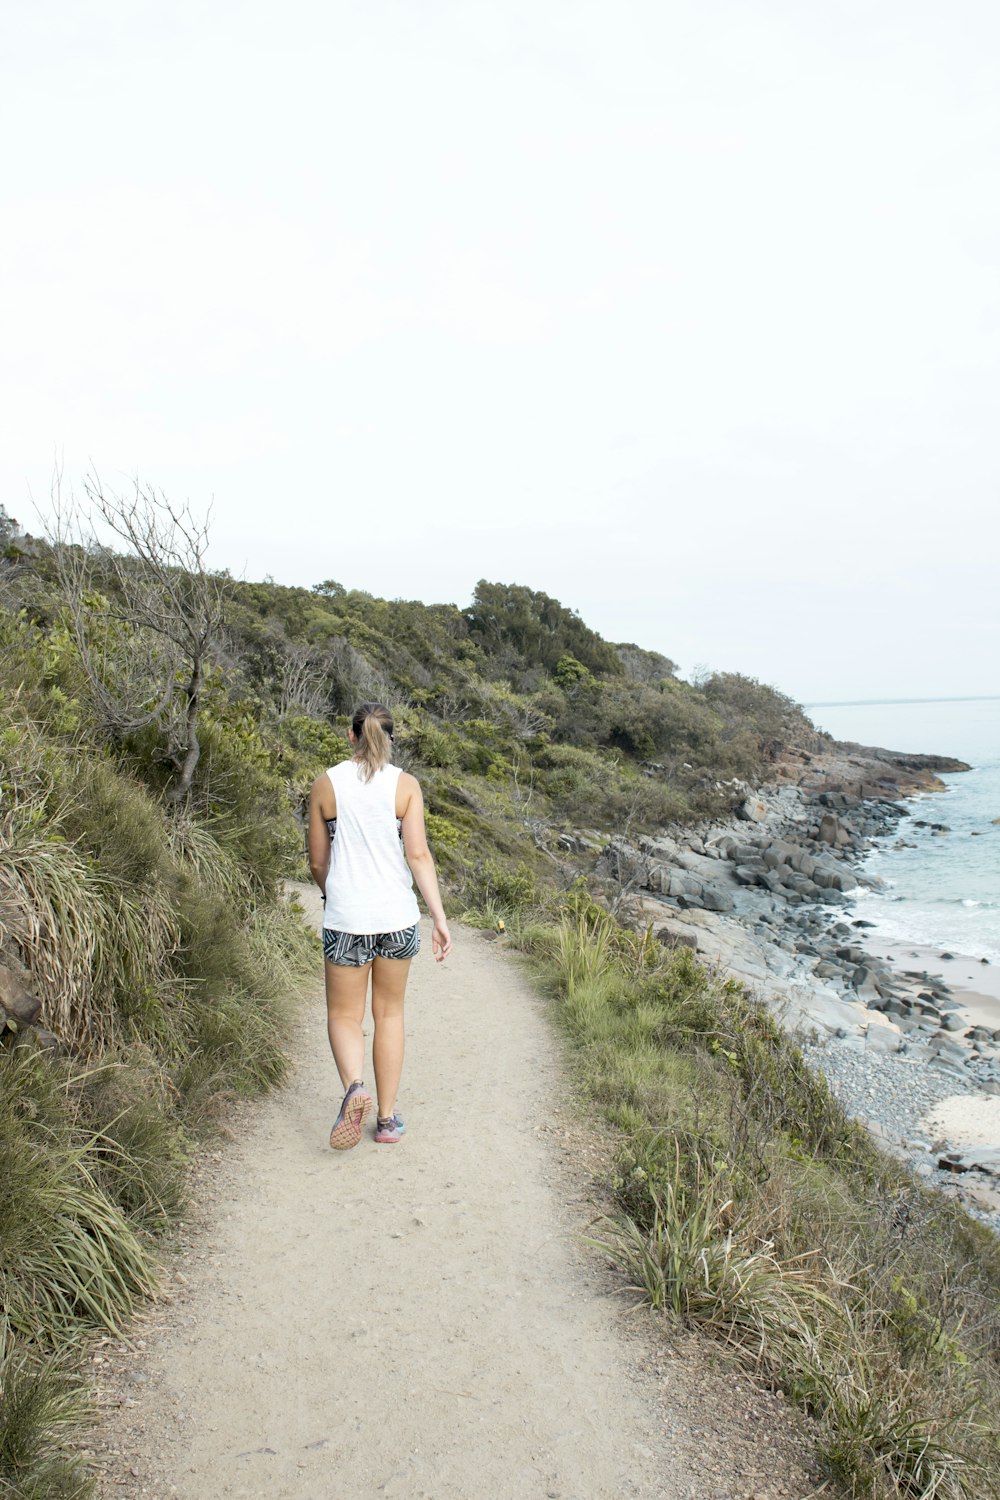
[(944, 892)]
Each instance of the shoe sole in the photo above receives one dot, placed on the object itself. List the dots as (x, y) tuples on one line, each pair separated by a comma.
[(347, 1131), (389, 1140)]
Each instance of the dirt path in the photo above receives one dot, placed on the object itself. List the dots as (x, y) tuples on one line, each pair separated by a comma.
[(421, 1320)]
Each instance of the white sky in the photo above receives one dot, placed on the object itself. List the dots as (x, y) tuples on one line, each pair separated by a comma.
[(682, 311)]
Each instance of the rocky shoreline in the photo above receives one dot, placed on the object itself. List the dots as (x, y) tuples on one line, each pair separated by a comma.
[(769, 897)]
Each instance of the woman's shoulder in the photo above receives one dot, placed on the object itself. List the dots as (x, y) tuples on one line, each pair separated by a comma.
[(322, 794), (407, 787)]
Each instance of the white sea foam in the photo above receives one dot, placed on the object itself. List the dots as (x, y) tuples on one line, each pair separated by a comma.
[(943, 892)]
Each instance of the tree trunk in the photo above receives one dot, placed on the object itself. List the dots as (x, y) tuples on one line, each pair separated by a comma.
[(192, 753)]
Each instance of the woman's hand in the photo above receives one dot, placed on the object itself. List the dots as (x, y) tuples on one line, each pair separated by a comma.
[(440, 941)]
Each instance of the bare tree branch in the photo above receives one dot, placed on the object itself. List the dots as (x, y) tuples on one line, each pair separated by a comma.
[(304, 682), (145, 624)]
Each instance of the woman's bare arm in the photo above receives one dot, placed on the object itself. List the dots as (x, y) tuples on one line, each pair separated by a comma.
[(322, 805), (410, 807)]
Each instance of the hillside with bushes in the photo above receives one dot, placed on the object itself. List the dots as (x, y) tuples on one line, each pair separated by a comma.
[(163, 723), (221, 698)]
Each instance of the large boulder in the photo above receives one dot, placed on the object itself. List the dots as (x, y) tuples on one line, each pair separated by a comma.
[(833, 877), (779, 853), (882, 1038), (972, 1158), (750, 874), (752, 810), (670, 937), (714, 898), (853, 955), (725, 844), (801, 884), (863, 981), (832, 831)]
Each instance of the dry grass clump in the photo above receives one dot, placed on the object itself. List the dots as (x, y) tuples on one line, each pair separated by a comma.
[(87, 936), (136, 925), (713, 1267), (753, 1210)]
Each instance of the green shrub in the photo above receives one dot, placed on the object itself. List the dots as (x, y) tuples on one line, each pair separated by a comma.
[(114, 821), (41, 1404), (87, 938), (234, 1047), (715, 1269), (69, 1258), (493, 890), (139, 1155)]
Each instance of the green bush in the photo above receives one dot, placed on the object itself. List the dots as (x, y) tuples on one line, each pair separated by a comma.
[(41, 1404), (69, 1257), (498, 890), (130, 1114)]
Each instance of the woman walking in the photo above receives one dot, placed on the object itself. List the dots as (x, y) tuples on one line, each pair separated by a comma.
[(366, 824)]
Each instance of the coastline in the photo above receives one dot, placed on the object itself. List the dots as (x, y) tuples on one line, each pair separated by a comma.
[(975, 982), (908, 1037)]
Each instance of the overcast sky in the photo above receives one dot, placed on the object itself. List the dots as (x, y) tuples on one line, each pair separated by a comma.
[(684, 312)]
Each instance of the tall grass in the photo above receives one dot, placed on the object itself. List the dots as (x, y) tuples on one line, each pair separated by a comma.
[(167, 975), (211, 862), (70, 1258), (705, 1261), (88, 939), (138, 926), (41, 1404), (129, 1110), (752, 1209)]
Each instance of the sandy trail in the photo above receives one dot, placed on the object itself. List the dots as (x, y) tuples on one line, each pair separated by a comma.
[(420, 1319)]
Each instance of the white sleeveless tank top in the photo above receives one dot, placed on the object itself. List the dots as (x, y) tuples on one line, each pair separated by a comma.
[(369, 887)]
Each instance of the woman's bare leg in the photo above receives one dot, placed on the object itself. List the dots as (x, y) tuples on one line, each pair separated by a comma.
[(346, 994), (389, 976)]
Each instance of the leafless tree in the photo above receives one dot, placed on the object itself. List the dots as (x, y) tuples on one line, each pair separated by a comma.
[(145, 623), (624, 862), (355, 679), (304, 682)]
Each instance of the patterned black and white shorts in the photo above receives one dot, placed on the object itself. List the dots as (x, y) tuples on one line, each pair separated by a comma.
[(355, 949)]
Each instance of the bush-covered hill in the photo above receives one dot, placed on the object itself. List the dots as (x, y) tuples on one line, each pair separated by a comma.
[(161, 726), (225, 697)]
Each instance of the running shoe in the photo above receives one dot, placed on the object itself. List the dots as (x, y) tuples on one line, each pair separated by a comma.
[(354, 1111), (387, 1132)]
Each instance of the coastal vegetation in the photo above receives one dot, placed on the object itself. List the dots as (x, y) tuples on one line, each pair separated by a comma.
[(163, 723), (749, 1207)]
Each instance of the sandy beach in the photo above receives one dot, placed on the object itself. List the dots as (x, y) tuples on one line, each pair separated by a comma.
[(966, 1120), (974, 984)]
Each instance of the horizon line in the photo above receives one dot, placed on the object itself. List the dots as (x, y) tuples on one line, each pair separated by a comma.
[(892, 702)]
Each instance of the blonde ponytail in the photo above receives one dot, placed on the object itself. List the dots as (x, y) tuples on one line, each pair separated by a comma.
[(372, 725)]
